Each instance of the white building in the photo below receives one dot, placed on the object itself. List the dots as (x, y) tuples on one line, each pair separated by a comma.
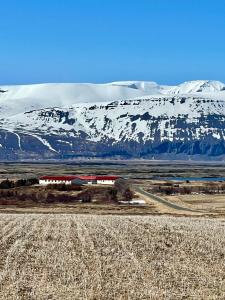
[(45, 180), (104, 180)]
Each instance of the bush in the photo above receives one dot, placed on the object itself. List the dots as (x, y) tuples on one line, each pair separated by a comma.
[(20, 182), (111, 194), (85, 196), (32, 181), (187, 190), (128, 195), (7, 184)]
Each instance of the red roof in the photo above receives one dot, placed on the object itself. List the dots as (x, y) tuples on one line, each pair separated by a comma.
[(69, 178), (90, 177), (93, 177), (107, 177), (61, 178)]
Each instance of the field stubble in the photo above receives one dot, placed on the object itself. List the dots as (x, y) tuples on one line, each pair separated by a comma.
[(111, 257)]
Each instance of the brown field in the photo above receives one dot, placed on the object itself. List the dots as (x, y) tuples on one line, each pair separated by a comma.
[(209, 203), (82, 208), (111, 257)]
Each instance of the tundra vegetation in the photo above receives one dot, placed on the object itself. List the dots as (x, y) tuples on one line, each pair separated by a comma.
[(111, 257)]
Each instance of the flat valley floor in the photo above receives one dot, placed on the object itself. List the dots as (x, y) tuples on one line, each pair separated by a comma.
[(58, 256)]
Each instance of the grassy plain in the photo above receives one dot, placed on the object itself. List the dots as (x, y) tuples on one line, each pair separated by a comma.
[(211, 203), (139, 172), (130, 168), (111, 257)]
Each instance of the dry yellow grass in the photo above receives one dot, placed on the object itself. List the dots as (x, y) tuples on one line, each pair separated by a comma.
[(111, 257), (211, 203)]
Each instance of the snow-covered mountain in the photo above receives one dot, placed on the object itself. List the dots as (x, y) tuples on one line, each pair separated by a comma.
[(198, 86), (125, 119), (21, 98)]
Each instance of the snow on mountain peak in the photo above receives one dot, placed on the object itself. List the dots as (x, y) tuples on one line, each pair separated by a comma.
[(21, 98), (141, 85), (149, 87), (198, 86)]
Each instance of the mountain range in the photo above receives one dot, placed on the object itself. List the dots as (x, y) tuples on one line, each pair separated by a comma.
[(126, 119)]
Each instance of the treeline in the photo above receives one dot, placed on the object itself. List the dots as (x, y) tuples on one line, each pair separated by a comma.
[(13, 196), (63, 187), (206, 188), (52, 195), (9, 184)]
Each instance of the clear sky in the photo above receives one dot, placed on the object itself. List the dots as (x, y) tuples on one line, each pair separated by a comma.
[(168, 41)]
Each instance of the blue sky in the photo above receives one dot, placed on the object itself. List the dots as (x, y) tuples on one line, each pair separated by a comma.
[(168, 41)]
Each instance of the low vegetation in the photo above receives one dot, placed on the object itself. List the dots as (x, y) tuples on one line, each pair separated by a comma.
[(184, 188), (20, 191), (208, 203), (40, 195), (9, 184), (96, 257)]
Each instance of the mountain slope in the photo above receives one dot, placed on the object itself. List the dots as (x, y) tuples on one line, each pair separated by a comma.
[(146, 120)]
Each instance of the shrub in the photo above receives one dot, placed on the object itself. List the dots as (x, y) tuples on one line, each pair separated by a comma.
[(111, 194), (85, 196), (121, 185), (20, 182), (128, 195), (32, 181), (7, 184)]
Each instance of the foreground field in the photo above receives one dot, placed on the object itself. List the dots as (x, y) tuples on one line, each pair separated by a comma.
[(111, 257)]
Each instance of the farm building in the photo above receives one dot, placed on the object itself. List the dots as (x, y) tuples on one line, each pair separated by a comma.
[(45, 180)]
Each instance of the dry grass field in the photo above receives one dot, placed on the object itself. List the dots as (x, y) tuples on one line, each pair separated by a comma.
[(56, 256), (211, 203), (84, 208)]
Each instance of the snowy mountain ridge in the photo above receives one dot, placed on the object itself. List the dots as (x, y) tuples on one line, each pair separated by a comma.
[(21, 98), (126, 119)]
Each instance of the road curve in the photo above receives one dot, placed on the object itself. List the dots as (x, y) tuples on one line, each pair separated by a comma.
[(161, 200)]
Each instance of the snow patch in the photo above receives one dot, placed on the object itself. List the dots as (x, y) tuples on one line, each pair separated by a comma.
[(44, 142)]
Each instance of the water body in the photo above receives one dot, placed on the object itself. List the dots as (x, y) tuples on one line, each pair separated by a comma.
[(192, 178)]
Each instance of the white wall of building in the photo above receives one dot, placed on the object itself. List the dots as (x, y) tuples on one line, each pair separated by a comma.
[(105, 181), (47, 181)]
